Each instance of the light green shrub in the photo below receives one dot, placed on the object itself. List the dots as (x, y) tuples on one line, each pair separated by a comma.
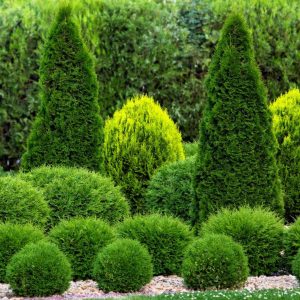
[(138, 139)]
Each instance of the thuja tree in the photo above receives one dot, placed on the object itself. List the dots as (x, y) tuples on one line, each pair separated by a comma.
[(236, 159), (68, 128)]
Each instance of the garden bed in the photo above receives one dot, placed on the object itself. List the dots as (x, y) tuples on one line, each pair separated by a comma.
[(167, 285)]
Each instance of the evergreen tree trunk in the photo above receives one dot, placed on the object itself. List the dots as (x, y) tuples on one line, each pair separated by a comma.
[(236, 160), (68, 129)]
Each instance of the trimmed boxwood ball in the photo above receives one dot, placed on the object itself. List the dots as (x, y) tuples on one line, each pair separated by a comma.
[(20, 202), (165, 237), (13, 237), (215, 261), (73, 192), (292, 242), (81, 240), (138, 139), (123, 266), (286, 125), (39, 269), (171, 191), (258, 230)]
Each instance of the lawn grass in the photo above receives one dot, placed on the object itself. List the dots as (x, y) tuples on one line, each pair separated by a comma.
[(291, 294)]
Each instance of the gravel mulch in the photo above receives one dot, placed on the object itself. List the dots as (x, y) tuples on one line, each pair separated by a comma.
[(158, 285)]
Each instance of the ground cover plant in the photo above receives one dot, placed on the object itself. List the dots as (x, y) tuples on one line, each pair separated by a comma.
[(236, 162), (68, 128)]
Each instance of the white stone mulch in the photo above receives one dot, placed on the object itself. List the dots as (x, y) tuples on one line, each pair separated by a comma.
[(158, 285)]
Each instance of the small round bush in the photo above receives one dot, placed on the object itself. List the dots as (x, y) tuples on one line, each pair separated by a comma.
[(292, 242), (22, 203), (215, 261), (296, 265), (164, 236), (39, 270), (73, 192), (81, 240), (170, 189), (123, 266), (258, 230), (13, 237), (139, 138)]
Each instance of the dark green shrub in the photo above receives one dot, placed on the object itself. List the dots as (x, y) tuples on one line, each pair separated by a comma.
[(81, 240), (39, 270), (296, 265), (73, 192), (258, 230), (68, 128), (13, 237), (139, 138), (123, 266), (165, 238), (215, 262), (286, 124), (292, 242), (191, 149), (236, 160), (171, 191), (22, 203)]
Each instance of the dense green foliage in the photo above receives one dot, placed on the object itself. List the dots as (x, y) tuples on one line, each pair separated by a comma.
[(170, 189), (81, 240), (215, 262), (286, 124), (39, 270), (72, 192), (13, 237), (259, 231), (22, 203), (296, 265), (68, 128), (139, 138), (236, 160), (123, 266), (190, 149), (165, 238), (292, 242)]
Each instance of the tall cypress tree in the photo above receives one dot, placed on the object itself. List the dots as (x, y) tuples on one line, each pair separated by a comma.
[(68, 129), (236, 160)]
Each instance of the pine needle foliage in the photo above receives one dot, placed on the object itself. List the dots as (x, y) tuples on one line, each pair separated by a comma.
[(286, 124), (236, 160), (68, 128)]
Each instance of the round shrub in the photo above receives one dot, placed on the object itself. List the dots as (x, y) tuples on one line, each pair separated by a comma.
[(170, 189), (292, 242), (215, 261), (13, 237), (73, 192), (165, 238), (39, 270), (123, 266), (258, 230), (286, 124), (22, 203), (139, 138), (296, 265), (81, 240)]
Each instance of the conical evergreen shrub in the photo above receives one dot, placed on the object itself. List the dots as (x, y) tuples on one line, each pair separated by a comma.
[(236, 160), (68, 128)]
